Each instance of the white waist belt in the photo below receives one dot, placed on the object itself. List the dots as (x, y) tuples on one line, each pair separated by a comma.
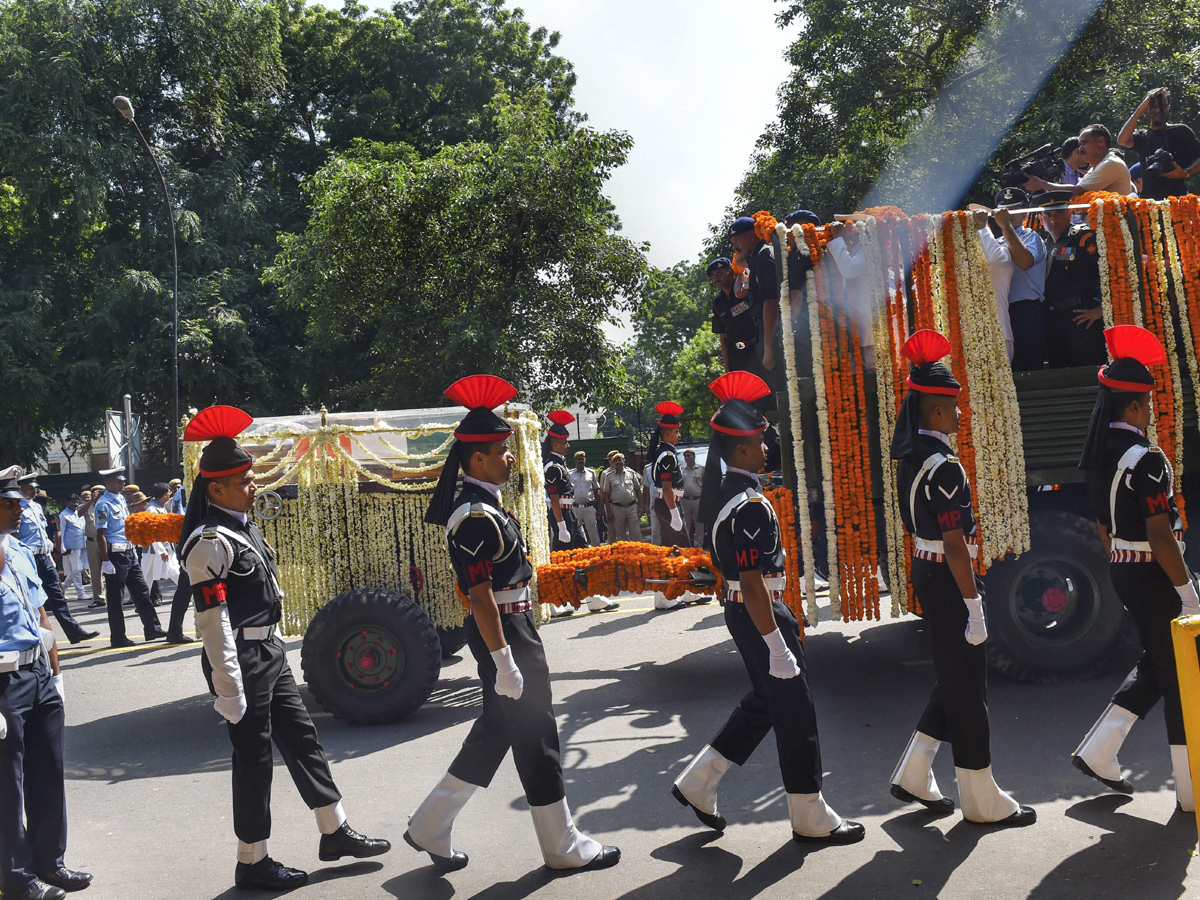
[(120, 548), (774, 583), (940, 547), (1140, 546), (512, 595), (23, 658), (260, 633)]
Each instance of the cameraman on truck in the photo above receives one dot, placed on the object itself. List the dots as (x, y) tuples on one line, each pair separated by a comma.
[(1108, 171), (1169, 152)]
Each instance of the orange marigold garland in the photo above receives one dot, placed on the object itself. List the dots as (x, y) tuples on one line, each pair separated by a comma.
[(624, 566), (145, 528)]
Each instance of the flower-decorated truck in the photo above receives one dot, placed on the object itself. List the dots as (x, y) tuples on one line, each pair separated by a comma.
[(1052, 612), (342, 498)]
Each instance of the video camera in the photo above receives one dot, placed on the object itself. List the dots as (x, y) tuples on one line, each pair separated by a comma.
[(1160, 162), (1044, 162)]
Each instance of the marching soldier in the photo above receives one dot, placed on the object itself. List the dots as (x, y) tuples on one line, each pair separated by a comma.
[(493, 570), (33, 535), (1074, 317), (33, 807), (667, 478), (1130, 483), (235, 587), (938, 515), (565, 533), (120, 564), (749, 553)]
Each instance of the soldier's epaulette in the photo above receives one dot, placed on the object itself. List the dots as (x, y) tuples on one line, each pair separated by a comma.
[(757, 498), (1156, 449), (478, 514), (209, 534), (952, 459)]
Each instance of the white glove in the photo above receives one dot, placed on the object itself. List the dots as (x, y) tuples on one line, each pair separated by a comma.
[(1189, 598), (108, 568), (783, 663), (509, 682), (976, 624), (564, 535), (3, 728), (232, 708), (58, 686), (676, 519)]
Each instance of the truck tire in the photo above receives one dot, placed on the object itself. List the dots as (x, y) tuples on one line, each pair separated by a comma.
[(1053, 615), (371, 656), (452, 639)]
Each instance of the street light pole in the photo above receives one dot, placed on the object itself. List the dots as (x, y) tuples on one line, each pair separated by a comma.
[(125, 107)]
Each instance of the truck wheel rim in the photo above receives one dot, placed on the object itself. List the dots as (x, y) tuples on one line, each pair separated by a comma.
[(370, 659), (1054, 602)]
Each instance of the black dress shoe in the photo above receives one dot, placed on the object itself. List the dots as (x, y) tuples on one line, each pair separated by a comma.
[(268, 875), (97, 604), (605, 859), (348, 842), (846, 833), (1022, 817), (85, 636), (122, 642), (65, 878), (945, 805), (715, 821), (37, 891), (452, 863), (1123, 785), (608, 608), (155, 635), (180, 638)]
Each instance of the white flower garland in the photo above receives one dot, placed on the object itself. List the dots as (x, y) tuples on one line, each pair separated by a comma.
[(525, 495), (814, 321), (1166, 313), (1181, 311), (803, 519), (1105, 276)]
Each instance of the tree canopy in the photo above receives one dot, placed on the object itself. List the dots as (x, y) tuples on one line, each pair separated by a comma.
[(496, 257), (242, 100)]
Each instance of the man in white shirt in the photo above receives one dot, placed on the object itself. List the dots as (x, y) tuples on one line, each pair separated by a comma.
[(74, 546), (851, 265), (1108, 171), (999, 260)]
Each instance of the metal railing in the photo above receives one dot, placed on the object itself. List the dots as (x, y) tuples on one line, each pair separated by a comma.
[(1184, 632)]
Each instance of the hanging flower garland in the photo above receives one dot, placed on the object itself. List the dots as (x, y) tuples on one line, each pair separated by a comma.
[(821, 365), (806, 611), (634, 566)]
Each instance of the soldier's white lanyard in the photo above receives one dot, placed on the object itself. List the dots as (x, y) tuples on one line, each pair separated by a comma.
[(19, 589)]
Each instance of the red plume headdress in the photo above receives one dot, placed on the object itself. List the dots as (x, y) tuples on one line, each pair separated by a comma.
[(737, 392), (481, 394), (220, 425)]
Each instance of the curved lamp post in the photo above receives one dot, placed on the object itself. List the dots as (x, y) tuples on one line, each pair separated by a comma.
[(125, 107)]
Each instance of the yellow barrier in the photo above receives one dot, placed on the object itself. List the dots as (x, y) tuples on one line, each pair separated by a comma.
[(1184, 632)]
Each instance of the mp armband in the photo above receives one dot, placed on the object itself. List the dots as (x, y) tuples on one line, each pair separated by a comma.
[(208, 596)]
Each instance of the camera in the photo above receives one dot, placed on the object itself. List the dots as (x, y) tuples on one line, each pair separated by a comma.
[(1044, 162), (1160, 162)]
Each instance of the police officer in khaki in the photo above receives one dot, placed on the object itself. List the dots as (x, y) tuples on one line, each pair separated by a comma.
[(693, 482), (621, 489)]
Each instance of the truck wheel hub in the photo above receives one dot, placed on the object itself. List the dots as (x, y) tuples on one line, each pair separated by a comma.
[(1054, 600)]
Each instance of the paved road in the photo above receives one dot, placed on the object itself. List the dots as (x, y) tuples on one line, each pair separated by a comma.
[(638, 692)]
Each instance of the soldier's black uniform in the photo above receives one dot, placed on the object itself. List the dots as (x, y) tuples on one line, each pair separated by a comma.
[(668, 476), (764, 289), (1072, 284), (558, 484), (1143, 480), (486, 545), (740, 320), (957, 708), (230, 564), (746, 537)]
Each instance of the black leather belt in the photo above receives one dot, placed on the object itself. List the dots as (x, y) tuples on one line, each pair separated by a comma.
[(580, 503), (693, 497), (634, 503)]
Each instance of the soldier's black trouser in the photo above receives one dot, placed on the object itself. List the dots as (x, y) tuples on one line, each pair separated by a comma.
[(33, 806), (274, 713), (578, 538), (1069, 344), (56, 600), (128, 575), (783, 705), (957, 709), (667, 535), (1028, 318), (525, 725), (180, 603), (1152, 601)]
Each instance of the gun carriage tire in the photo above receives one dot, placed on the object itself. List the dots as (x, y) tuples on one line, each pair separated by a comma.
[(371, 656), (452, 640), (1053, 615)]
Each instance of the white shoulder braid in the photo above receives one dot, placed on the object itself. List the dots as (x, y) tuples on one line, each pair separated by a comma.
[(207, 555)]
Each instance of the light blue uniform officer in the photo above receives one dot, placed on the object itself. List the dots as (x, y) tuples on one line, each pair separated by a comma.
[(33, 811), (32, 533), (120, 564)]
